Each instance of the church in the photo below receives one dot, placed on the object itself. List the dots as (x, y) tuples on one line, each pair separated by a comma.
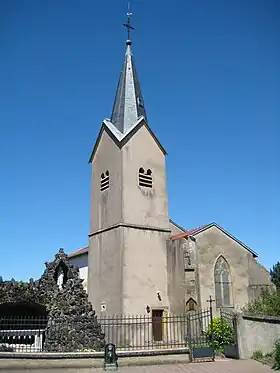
[(139, 260)]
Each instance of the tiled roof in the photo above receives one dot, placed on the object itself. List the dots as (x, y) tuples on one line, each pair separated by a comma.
[(188, 233), (82, 251)]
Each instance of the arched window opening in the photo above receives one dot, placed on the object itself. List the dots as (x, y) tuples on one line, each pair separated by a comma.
[(222, 283), (104, 180), (191, 305), (145, 178), (61, 275)]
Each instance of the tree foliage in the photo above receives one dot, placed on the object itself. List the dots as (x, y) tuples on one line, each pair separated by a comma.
[(275, 275), (267, 304), (277, 356)]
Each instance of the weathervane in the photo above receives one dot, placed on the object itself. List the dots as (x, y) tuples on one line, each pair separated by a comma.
[(128, 25)]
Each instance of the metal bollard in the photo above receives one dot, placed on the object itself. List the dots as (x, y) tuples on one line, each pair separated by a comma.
[(110, 358)]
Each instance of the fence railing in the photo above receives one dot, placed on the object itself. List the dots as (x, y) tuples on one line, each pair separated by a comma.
[(22, 334), (198, 327), (142, 332), (137, 332)]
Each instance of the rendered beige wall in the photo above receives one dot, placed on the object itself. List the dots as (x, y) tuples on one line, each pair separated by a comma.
[(144, 206), (257, 333), (211, 244), (175, 229), (144, 270), (105, 271), (139, 217), (106, 207)]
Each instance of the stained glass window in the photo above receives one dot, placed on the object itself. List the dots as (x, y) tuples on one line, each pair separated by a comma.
[(222, 283)]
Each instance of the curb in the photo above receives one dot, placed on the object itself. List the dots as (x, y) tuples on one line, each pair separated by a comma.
[(91, 355), (76, 363)]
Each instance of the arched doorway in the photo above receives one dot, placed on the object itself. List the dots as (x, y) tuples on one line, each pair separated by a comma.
[(22, 310), (22, 326)]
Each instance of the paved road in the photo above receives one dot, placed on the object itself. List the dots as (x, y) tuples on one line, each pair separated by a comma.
[(223, 366)]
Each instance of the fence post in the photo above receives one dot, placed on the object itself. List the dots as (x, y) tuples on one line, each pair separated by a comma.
[(189, 336), (210, 301)]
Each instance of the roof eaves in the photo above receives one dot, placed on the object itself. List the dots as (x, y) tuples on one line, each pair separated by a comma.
[(213, 224), (79, 252)]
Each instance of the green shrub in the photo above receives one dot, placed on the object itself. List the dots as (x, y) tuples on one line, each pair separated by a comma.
[(277, 356), (222, 334), (267, 304)]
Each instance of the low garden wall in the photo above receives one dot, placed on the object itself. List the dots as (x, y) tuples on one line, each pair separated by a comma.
[(257, 333)]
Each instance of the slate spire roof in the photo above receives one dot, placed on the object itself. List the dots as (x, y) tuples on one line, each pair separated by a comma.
[(129, 103)]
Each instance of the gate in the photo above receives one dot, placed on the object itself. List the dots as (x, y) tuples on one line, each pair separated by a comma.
[(229, 320), (200, 334)]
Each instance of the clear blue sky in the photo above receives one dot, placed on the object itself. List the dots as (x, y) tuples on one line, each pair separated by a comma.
[(210, 77)]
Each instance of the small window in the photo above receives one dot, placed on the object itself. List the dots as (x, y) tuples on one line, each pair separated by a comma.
[(191, 305), (104, 181), (145, 178)]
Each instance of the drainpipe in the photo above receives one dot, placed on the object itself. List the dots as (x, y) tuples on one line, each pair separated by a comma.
[(197, 278)]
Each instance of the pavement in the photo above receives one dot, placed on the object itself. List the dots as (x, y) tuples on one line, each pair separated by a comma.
[(219, 366)]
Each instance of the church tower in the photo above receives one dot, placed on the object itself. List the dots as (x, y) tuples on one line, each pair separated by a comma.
[(129, 225)]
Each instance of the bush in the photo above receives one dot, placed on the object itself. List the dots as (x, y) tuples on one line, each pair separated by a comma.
[(277, 356), (267, 304), (222, 334)]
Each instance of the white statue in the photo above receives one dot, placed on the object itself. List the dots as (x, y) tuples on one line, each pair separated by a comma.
[(60, 278)]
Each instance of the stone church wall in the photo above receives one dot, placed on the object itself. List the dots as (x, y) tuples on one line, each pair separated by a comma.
[(181, 265), (244, 270), (81, 262), (259, 279)]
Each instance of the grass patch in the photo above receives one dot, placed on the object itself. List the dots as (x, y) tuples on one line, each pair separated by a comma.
[(266, 359)]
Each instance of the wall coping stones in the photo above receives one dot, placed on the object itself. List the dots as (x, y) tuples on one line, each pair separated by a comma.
[(262, 318)]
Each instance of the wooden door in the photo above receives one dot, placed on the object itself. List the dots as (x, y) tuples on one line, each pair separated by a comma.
[(157, 324)]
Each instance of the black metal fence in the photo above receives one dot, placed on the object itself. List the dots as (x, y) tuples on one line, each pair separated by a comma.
[(145, 332), (199, 328), (22, 334), (139, 332)]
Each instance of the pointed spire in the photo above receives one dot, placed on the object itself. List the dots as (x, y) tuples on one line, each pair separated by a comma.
[(129, 103)]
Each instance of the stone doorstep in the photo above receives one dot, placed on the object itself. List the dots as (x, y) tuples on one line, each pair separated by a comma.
[(24, 363)]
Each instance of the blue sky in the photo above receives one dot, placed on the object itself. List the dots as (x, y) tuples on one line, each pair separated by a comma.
[(209, 72)]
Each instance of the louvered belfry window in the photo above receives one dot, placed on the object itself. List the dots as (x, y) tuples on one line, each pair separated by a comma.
[(145, 178), (104, 180)]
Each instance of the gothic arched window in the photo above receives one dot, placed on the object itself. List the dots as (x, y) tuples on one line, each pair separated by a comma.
[(222, 283), (191, 305)]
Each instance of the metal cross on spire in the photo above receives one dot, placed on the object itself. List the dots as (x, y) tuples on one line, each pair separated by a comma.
[(128, 25)]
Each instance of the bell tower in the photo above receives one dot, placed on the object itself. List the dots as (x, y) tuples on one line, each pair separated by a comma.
[(129, 225)]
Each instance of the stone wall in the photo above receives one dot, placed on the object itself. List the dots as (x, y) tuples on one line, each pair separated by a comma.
[(257, 333)]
